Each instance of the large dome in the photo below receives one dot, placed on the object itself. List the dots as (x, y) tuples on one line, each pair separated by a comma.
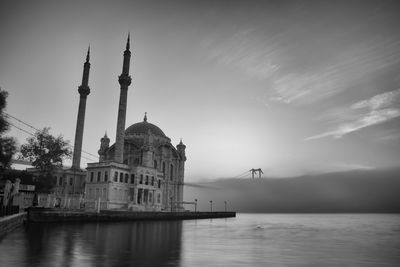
[(143, 128)]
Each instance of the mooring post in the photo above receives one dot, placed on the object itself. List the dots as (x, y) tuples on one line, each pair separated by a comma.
[(211, 205), (195, 205), (225, 205)]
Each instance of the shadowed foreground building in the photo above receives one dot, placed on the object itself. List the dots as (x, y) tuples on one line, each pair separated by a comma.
[(142, 171)]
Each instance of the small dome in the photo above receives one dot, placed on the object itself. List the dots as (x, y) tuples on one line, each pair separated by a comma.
[(143, 128)]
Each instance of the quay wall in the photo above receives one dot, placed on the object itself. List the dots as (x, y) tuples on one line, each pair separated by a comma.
[(53, 215), (9, 223)]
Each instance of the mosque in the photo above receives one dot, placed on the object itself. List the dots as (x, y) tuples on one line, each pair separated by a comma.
[(141, 171)]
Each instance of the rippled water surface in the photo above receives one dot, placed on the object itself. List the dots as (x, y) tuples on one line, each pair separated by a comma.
[(247, 240)]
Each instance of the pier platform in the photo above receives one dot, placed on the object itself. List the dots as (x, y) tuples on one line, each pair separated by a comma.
[(41, 215)]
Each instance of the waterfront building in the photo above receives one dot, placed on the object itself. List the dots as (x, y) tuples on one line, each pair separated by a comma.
[(142, 171)]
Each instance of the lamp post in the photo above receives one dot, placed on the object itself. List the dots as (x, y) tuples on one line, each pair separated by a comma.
[(195, 205), (211, 205), (225, 205)]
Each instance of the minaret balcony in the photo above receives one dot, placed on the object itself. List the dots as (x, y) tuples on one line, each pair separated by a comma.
[(84, 90), (124, 79)]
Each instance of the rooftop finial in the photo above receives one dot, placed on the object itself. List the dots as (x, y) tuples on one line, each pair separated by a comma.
[(88, 54), (145, 117), (127, 42)]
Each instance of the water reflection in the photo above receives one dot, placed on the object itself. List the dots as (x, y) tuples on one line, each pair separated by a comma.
[(247, 240), (102, 244)]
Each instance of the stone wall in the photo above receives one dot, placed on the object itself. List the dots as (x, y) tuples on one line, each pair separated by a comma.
[(9, 223)]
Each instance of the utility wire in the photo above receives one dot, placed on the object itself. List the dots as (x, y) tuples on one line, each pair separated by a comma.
[(34, 135), (21, 129), (36, 129)]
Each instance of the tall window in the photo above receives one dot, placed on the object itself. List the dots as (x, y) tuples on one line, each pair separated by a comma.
[(106, 176), (126, 178), (152, 180), (71, 181), (115, 176), (141, 179), (171, 172), (147, 180), (91, 177), (163, 167), (98, 176), (121, 177), (159, 183), (132, 178), (60, 181), (155, 164)]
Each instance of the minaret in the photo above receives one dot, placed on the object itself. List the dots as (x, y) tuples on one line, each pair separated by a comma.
[(124, 80), (104, 145), (181, 172), (84, 91)]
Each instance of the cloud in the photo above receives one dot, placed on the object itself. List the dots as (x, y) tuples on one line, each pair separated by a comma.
[(303, 72), (243, 50), (377, 109), (351, 166), (346, 191)]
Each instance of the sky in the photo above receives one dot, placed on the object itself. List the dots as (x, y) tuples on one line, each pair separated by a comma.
[(292, 87)]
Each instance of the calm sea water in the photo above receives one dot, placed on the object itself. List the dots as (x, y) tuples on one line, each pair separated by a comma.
[(247, 240)]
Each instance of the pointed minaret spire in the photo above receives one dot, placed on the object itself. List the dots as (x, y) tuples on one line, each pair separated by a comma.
[(88, 55), (124, 80), (145, 117), (128, 41), (84, 91)]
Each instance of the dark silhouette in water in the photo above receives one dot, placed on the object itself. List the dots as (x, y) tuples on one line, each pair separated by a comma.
[(125, 244)]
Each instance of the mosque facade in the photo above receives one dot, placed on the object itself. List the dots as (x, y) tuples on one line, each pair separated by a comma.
[(142, 170)]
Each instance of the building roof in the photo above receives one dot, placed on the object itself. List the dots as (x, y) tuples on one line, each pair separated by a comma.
[(143, 128)]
